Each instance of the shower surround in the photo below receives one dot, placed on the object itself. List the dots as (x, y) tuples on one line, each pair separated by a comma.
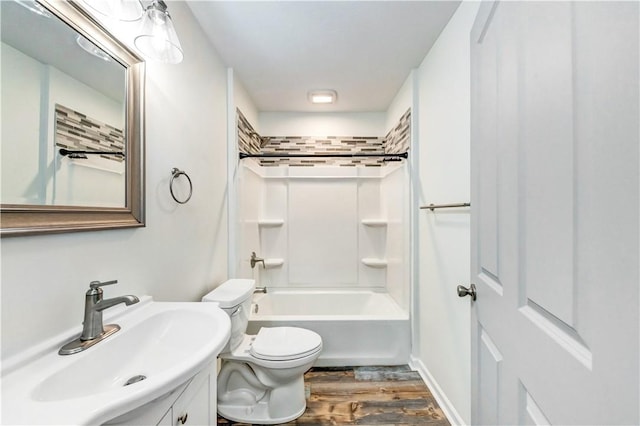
[(330, 229)]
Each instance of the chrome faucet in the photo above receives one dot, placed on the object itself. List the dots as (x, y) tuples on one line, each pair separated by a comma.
[(94, 304), (255, 259), (93, 330)]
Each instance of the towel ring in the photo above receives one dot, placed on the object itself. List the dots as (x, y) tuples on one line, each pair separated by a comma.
[(175, 172)]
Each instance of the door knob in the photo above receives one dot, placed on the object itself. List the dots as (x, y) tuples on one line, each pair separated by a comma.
[(464, 291)]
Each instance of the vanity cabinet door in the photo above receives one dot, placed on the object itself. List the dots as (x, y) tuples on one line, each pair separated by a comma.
[(167, 419), (193, 406), (192, 403), (157, 412)]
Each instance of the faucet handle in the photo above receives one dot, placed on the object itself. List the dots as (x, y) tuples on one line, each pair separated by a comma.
[(96, 284)]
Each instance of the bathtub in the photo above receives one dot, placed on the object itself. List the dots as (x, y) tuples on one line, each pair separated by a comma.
[(357, 327)]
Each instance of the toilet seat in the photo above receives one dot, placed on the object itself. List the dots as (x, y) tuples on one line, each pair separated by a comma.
[(243, 353), (285, 343)]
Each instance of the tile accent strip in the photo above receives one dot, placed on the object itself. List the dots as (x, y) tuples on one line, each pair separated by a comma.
[(397, 141), (329, 145), (249, 141), (76, 131)]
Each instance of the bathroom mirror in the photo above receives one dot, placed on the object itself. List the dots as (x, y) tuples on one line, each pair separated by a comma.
[(72, 122)]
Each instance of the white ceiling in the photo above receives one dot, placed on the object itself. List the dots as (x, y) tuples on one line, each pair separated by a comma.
[(362, 49)]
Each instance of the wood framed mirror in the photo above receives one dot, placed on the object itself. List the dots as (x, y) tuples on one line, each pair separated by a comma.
[(72, 123)]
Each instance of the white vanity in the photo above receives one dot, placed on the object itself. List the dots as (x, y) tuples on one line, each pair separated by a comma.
[(160, 368), (193, 403)]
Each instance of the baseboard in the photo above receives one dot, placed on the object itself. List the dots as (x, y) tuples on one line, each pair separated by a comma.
[(447, 407)]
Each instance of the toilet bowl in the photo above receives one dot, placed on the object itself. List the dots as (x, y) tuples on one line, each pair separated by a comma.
[(262, 377)]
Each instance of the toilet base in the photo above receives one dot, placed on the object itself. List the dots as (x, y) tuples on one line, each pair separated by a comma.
[(258, 413), (250, 394)]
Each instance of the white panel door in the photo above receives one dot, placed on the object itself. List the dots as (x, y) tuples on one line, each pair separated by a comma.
[(555, 228)]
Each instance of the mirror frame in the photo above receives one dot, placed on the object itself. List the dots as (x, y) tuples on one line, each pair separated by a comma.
[(17, 219)]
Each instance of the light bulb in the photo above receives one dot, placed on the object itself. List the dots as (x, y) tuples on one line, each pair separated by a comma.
[(158, 40)]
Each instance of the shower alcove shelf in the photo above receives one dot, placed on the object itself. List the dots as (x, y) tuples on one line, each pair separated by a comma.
[(374, 223), (271, 262), (270, 223), (381, 224), (373, 262)]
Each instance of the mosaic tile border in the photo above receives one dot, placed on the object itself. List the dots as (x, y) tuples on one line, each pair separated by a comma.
[(395, 142), (75, 131), (249, 141), (329, 145), (398, 140)]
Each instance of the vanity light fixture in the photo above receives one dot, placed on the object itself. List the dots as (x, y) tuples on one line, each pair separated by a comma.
[(92, 48), (323, 96), (158, 40), (122, 10), (35, 7)]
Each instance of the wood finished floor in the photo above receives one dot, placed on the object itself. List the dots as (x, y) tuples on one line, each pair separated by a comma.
[(366, 396)]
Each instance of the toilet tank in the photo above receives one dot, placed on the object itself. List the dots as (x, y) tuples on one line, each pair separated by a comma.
[(234, 297)]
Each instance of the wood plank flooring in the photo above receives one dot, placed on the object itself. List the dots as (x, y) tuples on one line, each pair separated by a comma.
[(366, 396)]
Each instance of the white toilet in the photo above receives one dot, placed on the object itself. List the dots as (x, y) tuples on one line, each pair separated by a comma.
[(261, 379)]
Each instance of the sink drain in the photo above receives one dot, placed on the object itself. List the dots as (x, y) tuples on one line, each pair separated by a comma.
[(135, 379)]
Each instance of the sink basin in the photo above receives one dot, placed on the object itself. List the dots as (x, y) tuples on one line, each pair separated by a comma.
[(148, 349), (160, 346)]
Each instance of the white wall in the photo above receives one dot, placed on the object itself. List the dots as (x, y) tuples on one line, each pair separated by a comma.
[(444, 120), (321, 124), (182, 252), (21, 76), (243, 101), (400, 104)]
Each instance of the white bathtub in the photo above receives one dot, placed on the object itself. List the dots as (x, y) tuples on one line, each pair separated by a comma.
[(357, 327)]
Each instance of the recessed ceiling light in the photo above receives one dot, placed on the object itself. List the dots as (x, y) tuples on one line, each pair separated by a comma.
[(323, 96)]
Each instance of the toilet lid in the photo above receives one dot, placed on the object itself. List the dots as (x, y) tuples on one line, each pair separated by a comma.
[(231, 293), (281, 343)]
